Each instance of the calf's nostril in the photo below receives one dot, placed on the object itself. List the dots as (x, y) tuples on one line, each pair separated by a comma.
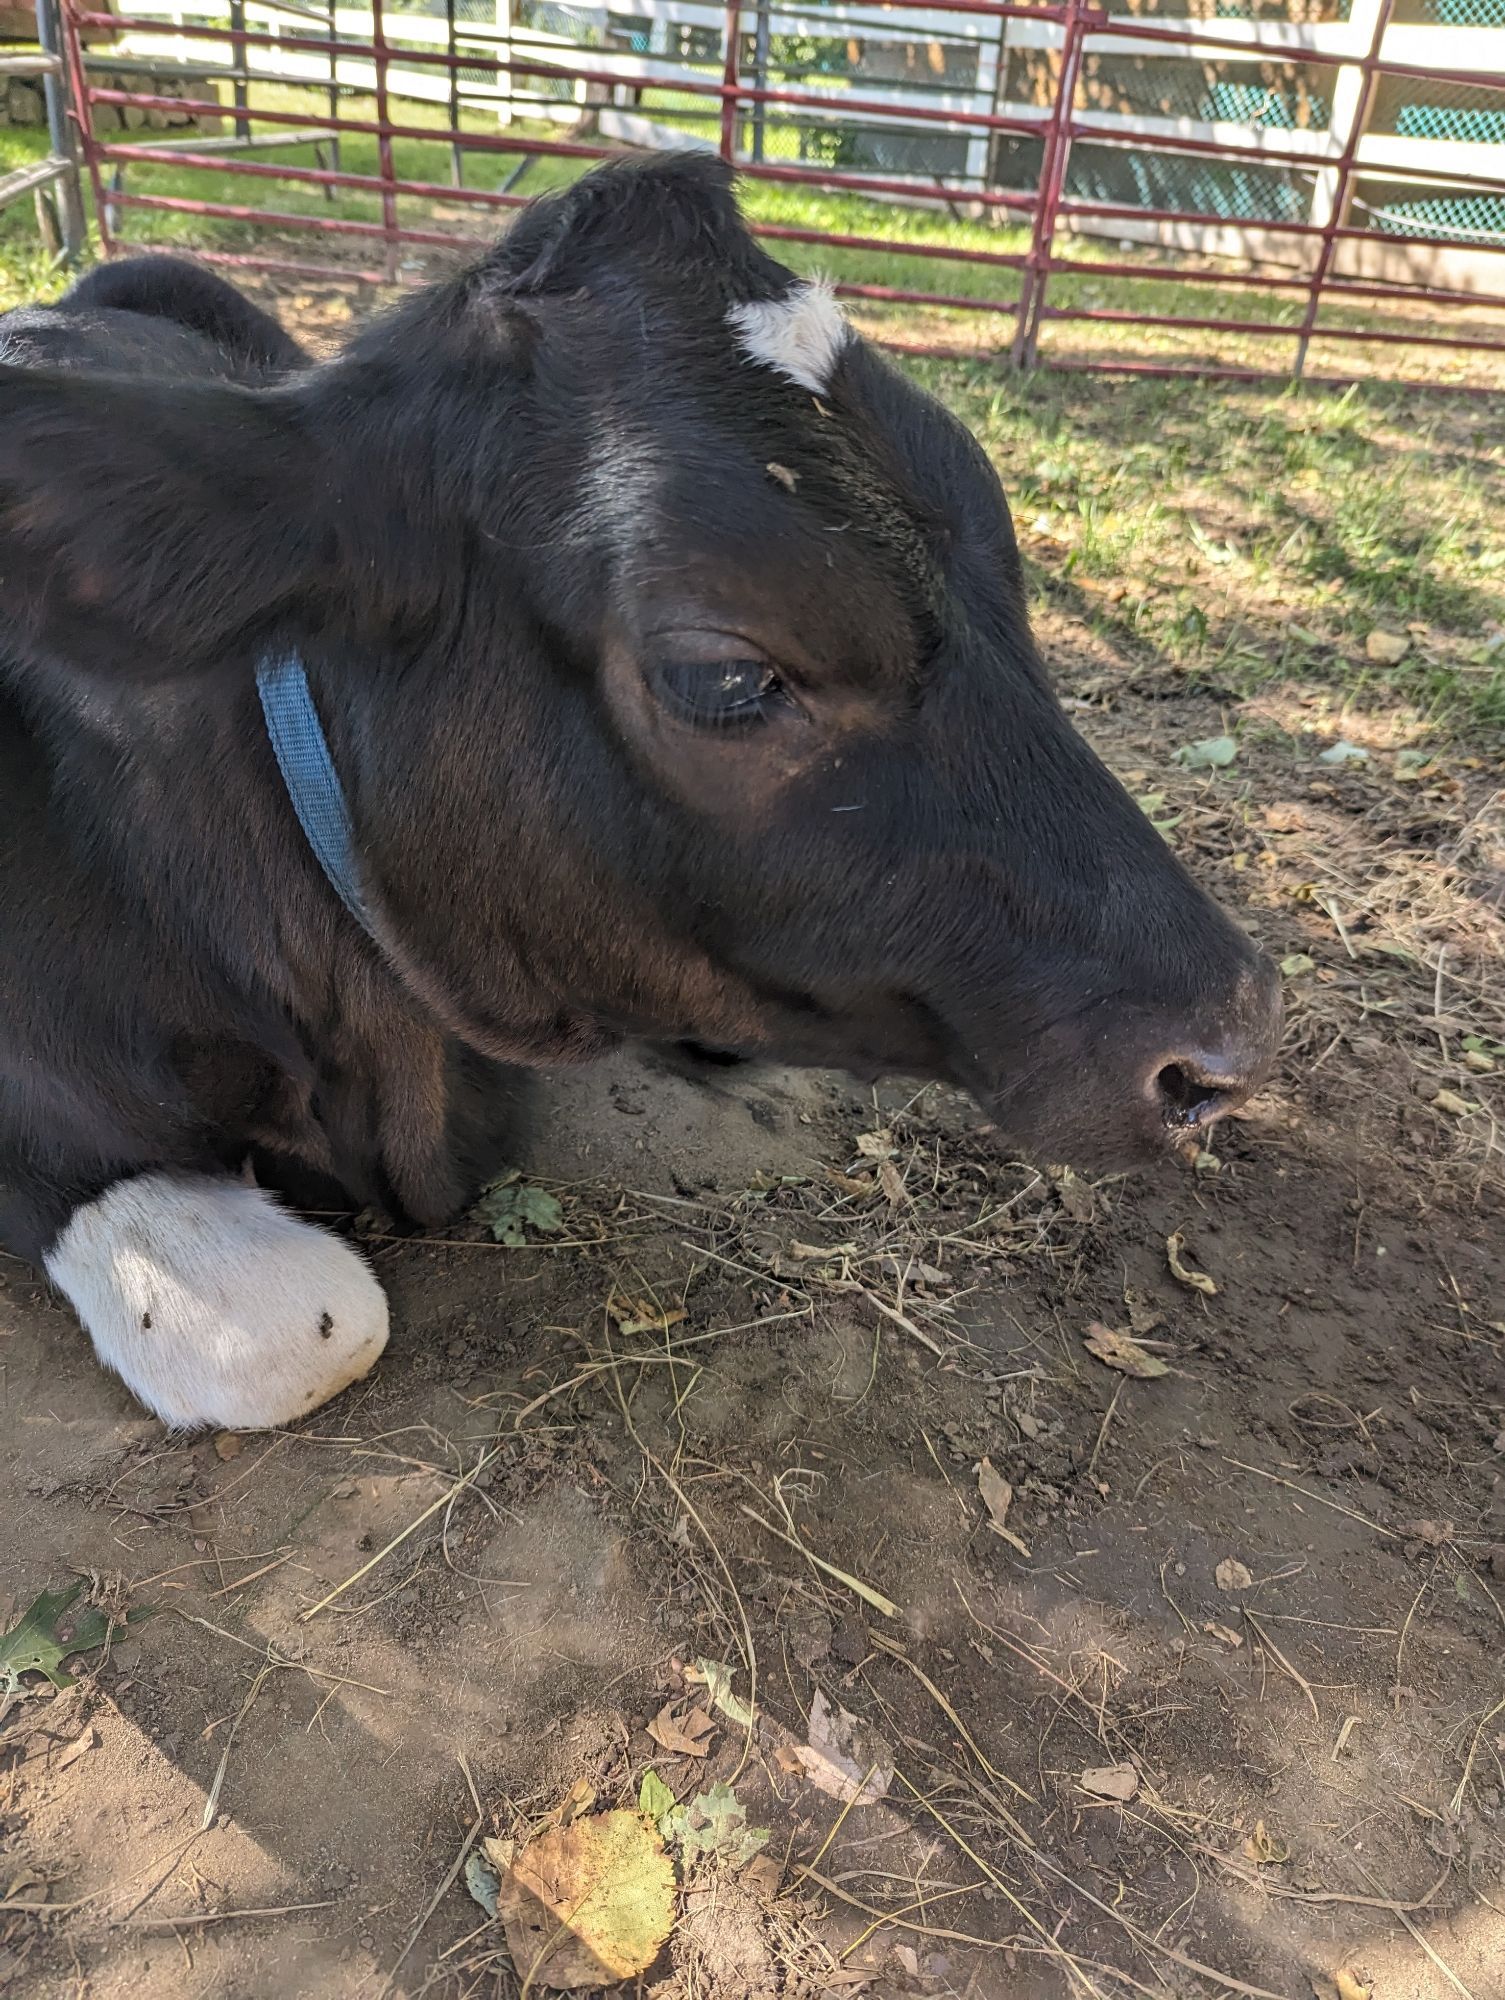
[(1188, 1097)]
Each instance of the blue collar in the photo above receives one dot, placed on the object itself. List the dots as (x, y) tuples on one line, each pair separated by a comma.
[(313, 784)]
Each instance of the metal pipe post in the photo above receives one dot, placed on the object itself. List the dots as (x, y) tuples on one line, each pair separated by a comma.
[(62, 135)]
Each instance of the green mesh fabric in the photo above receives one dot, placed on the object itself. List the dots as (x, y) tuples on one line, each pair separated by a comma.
[(1402, 209), (1412, 108), (1452, 13)]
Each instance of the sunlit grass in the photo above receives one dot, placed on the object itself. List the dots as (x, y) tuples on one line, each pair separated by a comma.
[(1244, 536)]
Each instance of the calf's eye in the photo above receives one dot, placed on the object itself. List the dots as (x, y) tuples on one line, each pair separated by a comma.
[(715, 693)]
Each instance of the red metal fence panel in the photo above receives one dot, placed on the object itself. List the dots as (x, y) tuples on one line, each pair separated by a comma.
[(1348, 274)]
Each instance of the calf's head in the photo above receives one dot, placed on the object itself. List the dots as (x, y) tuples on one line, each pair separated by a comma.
[(674, 652)]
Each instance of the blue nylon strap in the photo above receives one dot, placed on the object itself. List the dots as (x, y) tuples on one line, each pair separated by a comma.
[(308, 772)]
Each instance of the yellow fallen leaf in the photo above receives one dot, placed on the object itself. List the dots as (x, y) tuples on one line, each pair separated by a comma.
[(1118, 1350), (585, 1905), (1454, 1105), (1198, 1280), (998, 1497), (1262, 1850), (1224, 1634)]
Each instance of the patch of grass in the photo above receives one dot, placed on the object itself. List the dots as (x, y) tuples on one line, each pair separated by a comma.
[(1241, 536)]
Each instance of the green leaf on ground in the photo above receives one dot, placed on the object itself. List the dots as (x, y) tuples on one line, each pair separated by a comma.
[(717, 1679), (513, 1207), (1213, 753), (39, 1645), (654, 1797), (714, 1825), (481, 1881)]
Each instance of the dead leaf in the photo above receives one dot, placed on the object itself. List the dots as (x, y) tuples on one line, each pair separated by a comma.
[(856, 1185), (764, 1875), (998, 1497), (1224, 1634), (582, 1797), (1144, 1318), (1262, 1850), (687, 1734), (1198, 1280), (817, 1253), (76, 1749), (1074, 1194), (1117, 1350), (842, 1758), (787, 479), (1436, 1534), (642, 1315), (1387, 649), (583, 1906), (1455, 1106), (1343, 1985), (1111, 1781), (229, 1444), (892, 1183), (1232, 1575), (877, 1145)]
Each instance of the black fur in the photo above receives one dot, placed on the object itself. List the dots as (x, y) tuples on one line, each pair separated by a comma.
[(250, 341), (485, 527)]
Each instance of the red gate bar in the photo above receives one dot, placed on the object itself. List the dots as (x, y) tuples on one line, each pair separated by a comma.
[(1058, 126)]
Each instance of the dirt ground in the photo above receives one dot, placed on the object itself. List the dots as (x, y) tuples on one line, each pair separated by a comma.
[(1222, 1711)]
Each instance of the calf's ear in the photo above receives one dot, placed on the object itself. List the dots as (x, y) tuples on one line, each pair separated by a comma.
[(150, 528)]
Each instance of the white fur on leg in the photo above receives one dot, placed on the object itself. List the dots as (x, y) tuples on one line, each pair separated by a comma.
[(801, 335), (214, 1305)]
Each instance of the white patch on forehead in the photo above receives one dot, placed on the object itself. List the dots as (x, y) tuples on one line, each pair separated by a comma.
[(801, 335), (620, 484)]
